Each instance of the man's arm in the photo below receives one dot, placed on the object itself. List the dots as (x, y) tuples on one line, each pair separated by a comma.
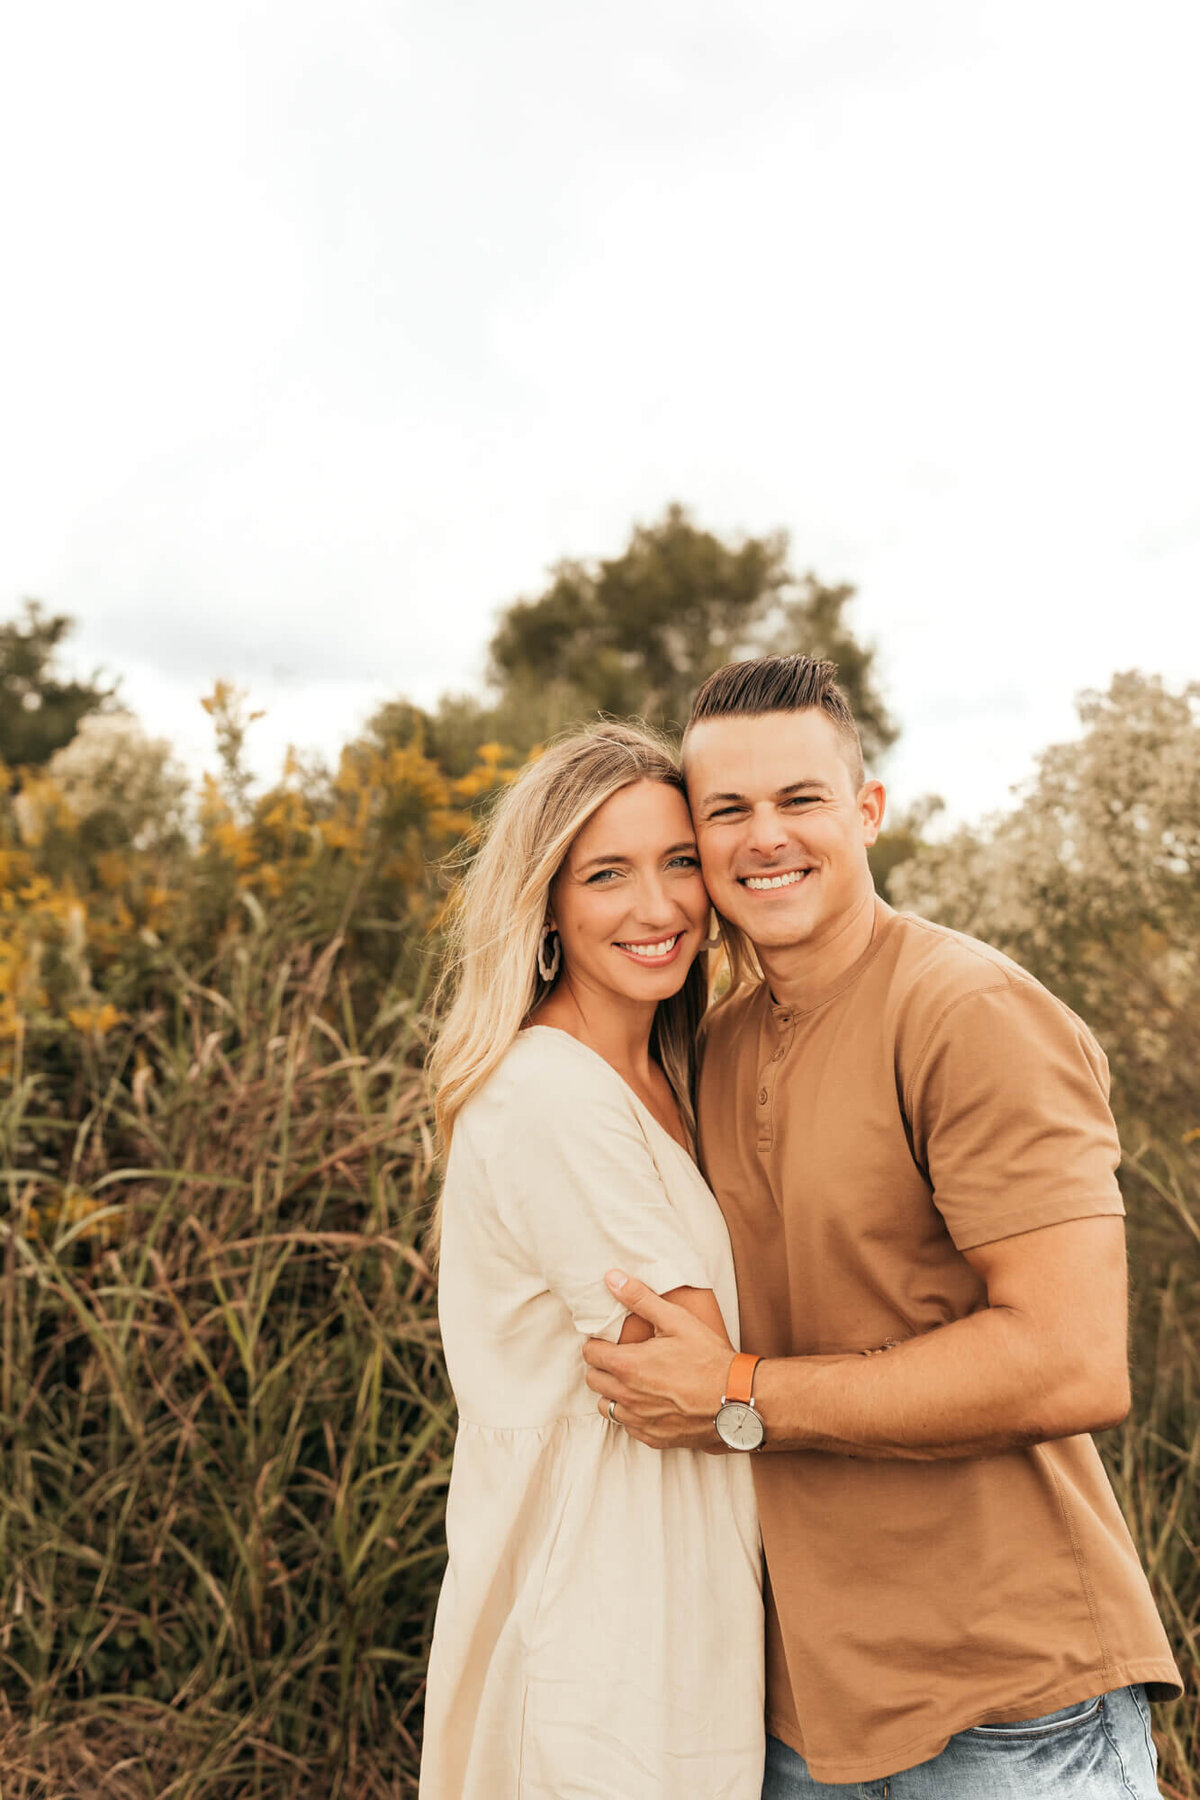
[(1046, 1358)]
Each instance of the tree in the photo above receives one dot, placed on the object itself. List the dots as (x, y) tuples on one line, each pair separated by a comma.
[(639, 632), (1093, 884), (901, 839), (40, 712)]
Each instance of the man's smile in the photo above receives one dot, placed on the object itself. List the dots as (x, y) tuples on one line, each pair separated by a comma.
[(784, 878)]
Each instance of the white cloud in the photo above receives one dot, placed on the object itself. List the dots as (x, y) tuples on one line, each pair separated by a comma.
[(333, 327)]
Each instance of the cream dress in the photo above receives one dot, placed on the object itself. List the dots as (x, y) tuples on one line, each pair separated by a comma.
[(599, 1634)]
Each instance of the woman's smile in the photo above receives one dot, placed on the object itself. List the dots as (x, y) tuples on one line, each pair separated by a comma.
[(652, 950)]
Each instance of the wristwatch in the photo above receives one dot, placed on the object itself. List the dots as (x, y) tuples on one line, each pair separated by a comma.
[(738, 1423)]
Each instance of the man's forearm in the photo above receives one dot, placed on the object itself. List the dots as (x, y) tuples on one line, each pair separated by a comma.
[(978, 1387), (1045, 1358)]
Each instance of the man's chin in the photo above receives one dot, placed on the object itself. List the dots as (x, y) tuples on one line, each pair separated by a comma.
[(783, 937), (786, 927)]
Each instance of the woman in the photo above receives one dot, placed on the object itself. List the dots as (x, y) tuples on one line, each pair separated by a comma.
[(599, 1631)]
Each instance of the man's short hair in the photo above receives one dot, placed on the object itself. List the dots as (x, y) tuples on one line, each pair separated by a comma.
[(768, 684)]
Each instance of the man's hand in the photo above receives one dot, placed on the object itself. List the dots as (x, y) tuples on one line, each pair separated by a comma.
[(667, 1389)]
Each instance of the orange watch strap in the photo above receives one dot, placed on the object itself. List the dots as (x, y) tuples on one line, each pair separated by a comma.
[(740, 1382)]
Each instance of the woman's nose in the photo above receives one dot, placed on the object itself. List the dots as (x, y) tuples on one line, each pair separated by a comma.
[(654, 904)]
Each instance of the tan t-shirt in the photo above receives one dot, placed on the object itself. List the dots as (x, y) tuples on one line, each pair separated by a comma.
[(933, 1098)]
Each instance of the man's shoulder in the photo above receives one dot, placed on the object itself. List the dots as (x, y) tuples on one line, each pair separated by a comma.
[(939, 964), (942, 981)]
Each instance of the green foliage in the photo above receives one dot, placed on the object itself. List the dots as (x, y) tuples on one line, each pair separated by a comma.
[(122, 791), (638, 633), (227, 1428), (901, 839), (1154, 1459), (113, 886), (226, 706), (39, 712), (1093, 883)]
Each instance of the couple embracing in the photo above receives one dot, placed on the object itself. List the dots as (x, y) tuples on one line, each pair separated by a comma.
[(840, 1261)]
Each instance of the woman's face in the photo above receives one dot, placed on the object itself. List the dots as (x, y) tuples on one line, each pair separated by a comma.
[(629, 903)]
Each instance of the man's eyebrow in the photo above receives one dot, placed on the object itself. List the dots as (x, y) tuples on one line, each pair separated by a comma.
[(793, 787)]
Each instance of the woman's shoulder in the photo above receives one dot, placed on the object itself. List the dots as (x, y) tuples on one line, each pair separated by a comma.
[(547, 1078)]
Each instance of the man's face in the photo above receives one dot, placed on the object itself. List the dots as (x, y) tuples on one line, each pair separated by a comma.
[(781, 828)]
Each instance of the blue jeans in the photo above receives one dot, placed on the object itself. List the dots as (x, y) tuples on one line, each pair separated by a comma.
[(1097, 1749)]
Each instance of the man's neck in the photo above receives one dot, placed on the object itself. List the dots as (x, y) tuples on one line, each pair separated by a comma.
[(798, 974)]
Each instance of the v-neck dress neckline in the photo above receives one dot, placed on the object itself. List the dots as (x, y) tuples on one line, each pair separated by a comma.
[(628, 1086)]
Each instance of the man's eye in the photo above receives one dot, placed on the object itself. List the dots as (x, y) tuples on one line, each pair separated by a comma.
[(724, 812)]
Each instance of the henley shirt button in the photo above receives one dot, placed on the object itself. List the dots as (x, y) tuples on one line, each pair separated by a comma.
[(762, 1096)]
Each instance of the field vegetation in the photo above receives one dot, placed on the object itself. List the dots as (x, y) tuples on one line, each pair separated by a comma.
[(225, 1431)]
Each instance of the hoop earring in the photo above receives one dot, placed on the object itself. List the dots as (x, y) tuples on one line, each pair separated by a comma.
[(548, 970)]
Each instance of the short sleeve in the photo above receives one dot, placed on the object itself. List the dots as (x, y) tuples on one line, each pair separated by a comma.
[(576, 1184), (1008, 1106)]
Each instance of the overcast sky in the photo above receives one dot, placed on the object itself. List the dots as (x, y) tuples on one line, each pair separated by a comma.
[(326, 328)]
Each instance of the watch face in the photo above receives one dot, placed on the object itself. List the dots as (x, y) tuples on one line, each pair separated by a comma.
[(739, 1426)]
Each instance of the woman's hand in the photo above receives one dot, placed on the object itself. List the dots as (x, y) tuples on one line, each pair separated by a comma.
[(668, 1389)]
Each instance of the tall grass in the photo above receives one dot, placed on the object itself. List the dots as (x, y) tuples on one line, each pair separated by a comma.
[(226, 1427), (1154, 1460)]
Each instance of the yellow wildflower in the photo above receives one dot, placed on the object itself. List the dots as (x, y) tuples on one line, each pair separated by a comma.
[(96, 1019)]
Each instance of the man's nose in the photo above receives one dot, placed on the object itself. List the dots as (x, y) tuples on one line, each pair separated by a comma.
[(765, 832)]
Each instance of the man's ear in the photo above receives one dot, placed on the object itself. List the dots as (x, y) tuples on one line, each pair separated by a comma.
[(872, 801)]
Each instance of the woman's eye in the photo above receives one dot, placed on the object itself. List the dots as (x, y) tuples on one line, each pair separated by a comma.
[(685, 862), (600, 878)]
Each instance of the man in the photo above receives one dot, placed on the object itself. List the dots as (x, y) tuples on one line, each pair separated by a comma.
[(911, 1143)]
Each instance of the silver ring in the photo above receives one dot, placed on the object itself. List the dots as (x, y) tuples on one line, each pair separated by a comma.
[(612, 1411)]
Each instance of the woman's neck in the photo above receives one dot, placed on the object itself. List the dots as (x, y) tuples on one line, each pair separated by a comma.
[(616, 1030)]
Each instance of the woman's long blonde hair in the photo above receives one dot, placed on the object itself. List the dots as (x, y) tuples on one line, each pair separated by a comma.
[(491, 982)]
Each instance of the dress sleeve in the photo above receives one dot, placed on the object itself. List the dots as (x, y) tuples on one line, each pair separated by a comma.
[(576, 1184), (1008, 1105)]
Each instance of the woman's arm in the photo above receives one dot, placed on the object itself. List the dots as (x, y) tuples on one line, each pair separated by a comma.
[(700, 1302)]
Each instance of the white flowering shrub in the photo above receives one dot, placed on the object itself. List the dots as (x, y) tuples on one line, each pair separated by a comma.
[(125, 790), (1093, 883)]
